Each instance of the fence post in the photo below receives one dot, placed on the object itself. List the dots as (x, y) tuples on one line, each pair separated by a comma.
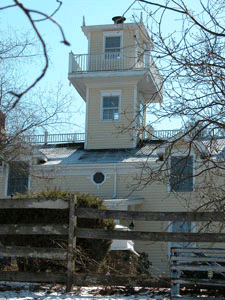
[(71, 244)]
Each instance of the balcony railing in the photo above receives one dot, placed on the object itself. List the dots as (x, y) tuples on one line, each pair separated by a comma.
[(114, 61), (108, 61), (55, 138), (80, 137)]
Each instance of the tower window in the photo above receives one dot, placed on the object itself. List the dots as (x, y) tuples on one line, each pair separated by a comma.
[(112, 45), (110, 107)]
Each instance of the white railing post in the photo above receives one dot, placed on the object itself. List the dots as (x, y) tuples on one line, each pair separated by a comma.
[(71, 58), (46, 137)]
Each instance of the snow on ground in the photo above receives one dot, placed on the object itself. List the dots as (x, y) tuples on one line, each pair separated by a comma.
[(18, 291)]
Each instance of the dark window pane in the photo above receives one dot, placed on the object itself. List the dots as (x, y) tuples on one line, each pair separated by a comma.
[(112, 42), (112, 101), (181, 174), (17, 178)]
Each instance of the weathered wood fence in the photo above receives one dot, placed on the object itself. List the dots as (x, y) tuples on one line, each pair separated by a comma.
[(70, 230), (38, 206)]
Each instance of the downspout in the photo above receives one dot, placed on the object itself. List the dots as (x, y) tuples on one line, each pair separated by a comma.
[(117, 222), (115, 183)]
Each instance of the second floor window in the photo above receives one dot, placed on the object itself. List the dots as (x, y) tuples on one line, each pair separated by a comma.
[(17, 178), (181, 174), (110, 106)]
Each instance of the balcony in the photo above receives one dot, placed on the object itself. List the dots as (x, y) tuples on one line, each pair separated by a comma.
[(82, 67), (109, 61)]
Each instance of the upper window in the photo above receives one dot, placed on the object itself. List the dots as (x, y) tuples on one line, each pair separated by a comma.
[(112, 45), (110, 106), (181, 174), (17, 178)]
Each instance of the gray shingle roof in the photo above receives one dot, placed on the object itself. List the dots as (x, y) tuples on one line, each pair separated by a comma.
[(76, 155)]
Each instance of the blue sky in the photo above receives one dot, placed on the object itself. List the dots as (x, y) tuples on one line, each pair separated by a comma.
[(70, 18)]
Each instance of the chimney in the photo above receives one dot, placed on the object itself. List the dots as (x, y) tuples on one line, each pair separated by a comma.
[(118, 19)]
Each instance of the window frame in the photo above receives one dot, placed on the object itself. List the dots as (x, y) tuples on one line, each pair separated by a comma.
[(182, 156), (109, 34), (112, 93)]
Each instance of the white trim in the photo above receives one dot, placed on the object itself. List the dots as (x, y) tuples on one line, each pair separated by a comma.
[(109, 74), (116, 27), (115, 182), (110, 93), (86, 119), (86, 169), (136, 46)]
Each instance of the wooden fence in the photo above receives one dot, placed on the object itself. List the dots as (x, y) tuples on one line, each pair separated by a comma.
[(70, 230), (38, 206)]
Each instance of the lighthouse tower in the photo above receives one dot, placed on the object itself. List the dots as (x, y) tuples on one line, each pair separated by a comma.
[(116, 79)]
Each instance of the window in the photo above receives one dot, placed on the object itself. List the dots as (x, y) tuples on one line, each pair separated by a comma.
[(17, 178), (185, 227), (99, 177), (112, 45), (181, 174), (181, 227), (110, 105)]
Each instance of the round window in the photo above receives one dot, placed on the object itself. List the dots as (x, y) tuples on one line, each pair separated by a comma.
[(98, 177)]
